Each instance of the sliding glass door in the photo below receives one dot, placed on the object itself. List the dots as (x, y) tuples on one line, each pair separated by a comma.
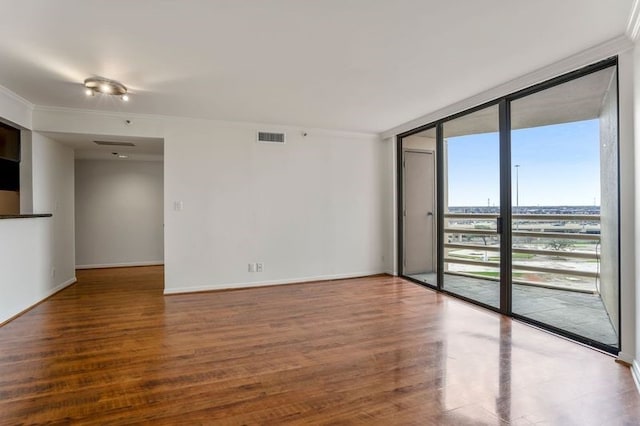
[(471, 189), (564, 154), (527, 205)]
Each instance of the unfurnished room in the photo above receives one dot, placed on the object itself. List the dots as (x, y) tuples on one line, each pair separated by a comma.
[(248, 212)]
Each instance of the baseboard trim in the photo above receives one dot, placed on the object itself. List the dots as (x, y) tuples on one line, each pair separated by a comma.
[(62, 286), (50, 294), (120, 265), (625, 358), (320, 278), (635, 373)]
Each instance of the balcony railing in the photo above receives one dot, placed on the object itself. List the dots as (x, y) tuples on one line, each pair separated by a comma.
[(555, 250)]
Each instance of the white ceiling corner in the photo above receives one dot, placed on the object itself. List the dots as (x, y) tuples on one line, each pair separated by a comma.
[(361, 66), (571, 63), (633, 26), (13, 95)]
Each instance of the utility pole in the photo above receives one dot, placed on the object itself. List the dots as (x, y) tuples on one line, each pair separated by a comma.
[(517, 166)]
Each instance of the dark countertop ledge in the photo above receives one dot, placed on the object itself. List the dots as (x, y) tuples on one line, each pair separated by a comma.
[(23, 216)]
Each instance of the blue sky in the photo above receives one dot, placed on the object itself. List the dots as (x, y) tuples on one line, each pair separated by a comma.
[(559, 165)]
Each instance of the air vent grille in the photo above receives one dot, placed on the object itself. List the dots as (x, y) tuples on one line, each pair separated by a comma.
[(113, 143), (271, 137)]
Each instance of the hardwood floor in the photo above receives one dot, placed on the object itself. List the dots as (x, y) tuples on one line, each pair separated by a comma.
[(113, 350)]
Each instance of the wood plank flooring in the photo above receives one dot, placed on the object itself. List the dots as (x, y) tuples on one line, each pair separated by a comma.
[(113, 350)]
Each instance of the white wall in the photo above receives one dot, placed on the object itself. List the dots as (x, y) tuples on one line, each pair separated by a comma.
[(628, 240), (119, 213), (309, 209), (64, 120), (609, 201), (390, 207), (635, 88), (25, 262), (53, 182), (37, 255)]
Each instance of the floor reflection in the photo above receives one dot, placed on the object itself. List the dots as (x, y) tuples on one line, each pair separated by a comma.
[(579, 313)]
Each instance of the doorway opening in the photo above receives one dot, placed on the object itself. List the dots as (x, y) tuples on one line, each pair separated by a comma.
[(119, 200), (419, 209)]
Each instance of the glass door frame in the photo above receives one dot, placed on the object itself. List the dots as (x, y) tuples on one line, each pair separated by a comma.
[(505, 218), (565, 78), (400, 205), (505, 251)]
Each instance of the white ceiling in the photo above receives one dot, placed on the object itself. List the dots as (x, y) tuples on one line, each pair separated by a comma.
[(85, 148), (361, 65), (575, 100)]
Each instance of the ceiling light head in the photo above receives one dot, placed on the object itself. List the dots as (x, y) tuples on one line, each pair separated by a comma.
[(105, 86)]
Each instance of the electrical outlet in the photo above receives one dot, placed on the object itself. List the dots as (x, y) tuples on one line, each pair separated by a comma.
[(259, 267), (53, 272), (252, 267)]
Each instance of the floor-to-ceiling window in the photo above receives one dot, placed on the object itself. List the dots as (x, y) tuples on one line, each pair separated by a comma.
[(471, 190), (564, 154), (528, 186)]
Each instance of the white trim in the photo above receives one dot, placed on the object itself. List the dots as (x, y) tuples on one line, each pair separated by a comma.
[(60, 287), (633, 25), (635, 373), (626, 358), (579, 60), (310, 131), (87, 111), (16, 97), (210, 287), (56, 289), (120, 265), (16, 111)]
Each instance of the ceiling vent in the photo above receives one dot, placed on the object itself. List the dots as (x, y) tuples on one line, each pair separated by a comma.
[(110, 143), (271, 137)]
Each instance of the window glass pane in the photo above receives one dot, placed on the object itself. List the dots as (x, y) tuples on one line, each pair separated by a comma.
[(472, 205), (564, 154)]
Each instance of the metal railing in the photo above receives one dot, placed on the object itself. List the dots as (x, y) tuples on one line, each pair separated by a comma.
[(542, 241)]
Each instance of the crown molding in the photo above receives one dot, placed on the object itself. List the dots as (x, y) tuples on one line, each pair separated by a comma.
[(13, 95), (95, 112), (596, 53), (16, 111), (240, 124), (633, 26)]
